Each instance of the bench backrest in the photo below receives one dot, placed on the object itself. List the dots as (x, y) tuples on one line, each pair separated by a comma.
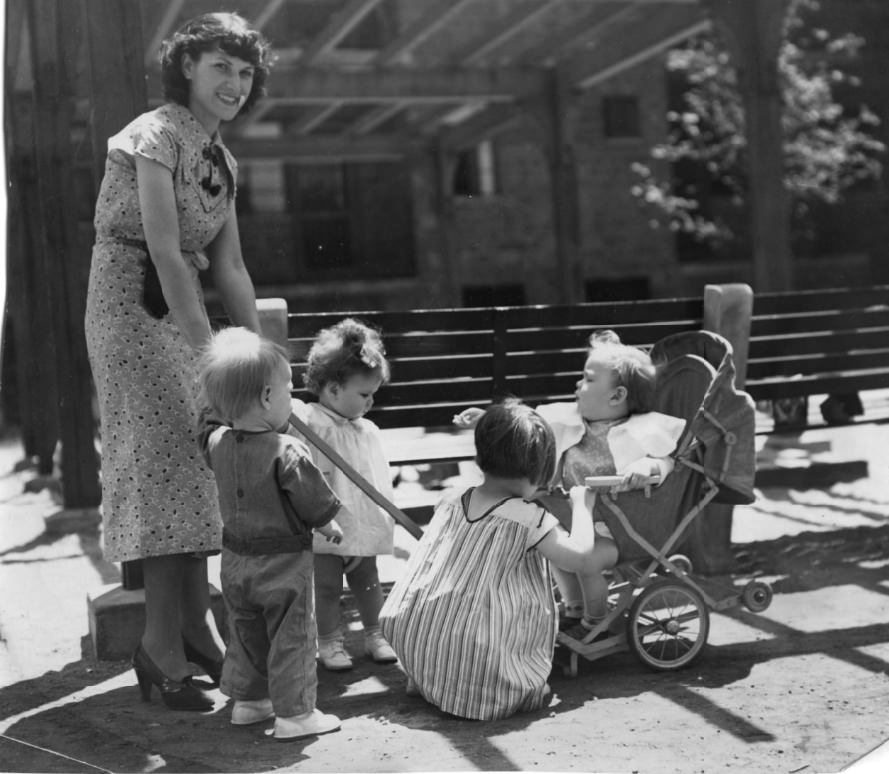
[(444, 360), (818, 342)]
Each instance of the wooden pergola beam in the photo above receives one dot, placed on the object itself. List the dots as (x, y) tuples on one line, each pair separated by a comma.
[(374, 118), (296, 86), (481, 126), (590, 26), (321, 148), (314, 117), (663, 28), (495, 35), (339, 26), (439, 15), (171, 13)]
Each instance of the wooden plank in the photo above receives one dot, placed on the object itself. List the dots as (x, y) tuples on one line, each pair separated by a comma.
[(819, 344), (605, 314), (819, 364), (851, 381), (576, 338), (819, 300), (814, 322)]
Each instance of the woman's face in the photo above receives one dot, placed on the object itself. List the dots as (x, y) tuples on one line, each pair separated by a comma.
[(219, 85)]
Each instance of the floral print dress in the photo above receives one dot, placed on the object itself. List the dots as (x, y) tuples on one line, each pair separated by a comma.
[(158, 497)]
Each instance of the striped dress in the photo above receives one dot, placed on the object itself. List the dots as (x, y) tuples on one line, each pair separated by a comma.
[(473, 619)]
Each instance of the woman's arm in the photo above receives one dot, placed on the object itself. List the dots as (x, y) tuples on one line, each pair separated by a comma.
[(230, 275), (574, 551), (160, 220)]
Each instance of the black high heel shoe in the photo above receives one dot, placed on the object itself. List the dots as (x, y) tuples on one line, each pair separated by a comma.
[(212, 667), (176, 695)]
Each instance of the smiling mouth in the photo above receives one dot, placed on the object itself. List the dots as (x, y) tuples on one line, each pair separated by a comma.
[(230, 101)]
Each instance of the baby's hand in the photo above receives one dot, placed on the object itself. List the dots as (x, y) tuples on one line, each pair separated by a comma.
[(333, 532), (639, 474), (468, 417)]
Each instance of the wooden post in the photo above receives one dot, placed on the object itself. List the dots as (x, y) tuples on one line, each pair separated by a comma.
[(753, 30), (28, 305), (118, 93), (54, 31), (563, 181), (727, 311)]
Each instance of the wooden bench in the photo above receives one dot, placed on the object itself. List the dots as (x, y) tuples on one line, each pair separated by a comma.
[(820, 343), (445, 360)]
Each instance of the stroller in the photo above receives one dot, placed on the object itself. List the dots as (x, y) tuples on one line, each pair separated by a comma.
[(665, 608)]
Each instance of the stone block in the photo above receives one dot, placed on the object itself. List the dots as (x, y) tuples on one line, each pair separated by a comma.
[(117, 618)]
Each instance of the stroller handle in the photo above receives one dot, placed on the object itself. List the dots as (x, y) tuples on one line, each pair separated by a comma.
[(608, 482)]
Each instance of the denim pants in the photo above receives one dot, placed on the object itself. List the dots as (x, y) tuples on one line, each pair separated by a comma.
[(269, 601)]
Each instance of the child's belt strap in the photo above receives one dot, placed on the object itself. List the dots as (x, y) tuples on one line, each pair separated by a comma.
[(266, 546), (362, 483)]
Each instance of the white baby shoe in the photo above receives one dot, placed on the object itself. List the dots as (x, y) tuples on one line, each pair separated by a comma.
[(246, 712), (378, 649), (311, 723)]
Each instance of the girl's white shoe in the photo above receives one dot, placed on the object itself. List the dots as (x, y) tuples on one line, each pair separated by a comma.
[(246, 712), (378, 649), (308, 724)]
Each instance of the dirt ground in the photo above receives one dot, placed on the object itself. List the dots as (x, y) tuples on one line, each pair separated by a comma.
[(800, 687)]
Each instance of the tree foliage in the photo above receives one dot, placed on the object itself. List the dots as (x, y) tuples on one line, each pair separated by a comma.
[(828, 148)]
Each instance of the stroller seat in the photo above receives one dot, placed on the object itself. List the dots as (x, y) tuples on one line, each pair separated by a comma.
[(658, 609)]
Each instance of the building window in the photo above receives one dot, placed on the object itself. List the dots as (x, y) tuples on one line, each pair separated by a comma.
[(475, 173), (324, 216), (623, 289), (620, 116), (494, 295)]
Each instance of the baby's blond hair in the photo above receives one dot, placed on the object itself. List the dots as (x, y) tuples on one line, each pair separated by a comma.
[(234, 369)]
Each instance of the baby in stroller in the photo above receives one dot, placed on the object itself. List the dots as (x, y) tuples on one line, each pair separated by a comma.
[(609, 430)]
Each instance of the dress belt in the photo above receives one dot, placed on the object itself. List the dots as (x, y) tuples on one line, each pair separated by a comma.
[(264, 546)]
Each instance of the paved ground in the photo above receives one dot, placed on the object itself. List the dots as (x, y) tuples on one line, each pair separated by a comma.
[(801, 687)]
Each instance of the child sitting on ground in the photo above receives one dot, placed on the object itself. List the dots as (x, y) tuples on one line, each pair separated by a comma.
[(346, 366), (473, 619), (608, 430), (272, 497)]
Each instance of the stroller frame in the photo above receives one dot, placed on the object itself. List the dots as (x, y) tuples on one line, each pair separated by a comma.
[(664, 607)]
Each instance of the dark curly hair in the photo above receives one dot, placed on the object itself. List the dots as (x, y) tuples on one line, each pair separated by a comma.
[(350, 347), (228, 32), (513, 441)]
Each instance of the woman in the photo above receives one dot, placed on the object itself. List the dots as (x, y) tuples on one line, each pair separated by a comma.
[(166, 211)]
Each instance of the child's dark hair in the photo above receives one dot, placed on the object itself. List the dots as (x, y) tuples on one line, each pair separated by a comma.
[(234, 369), (228, 32), (513, 441), (632, 368), (350, 347)]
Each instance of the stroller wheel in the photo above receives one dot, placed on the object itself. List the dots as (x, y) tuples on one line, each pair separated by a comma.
[(756, 596), (682, 562), (667, 626)]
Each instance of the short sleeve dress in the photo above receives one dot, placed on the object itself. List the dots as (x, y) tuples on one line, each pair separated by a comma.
[(158, 496), (367, 529), (473, 619)]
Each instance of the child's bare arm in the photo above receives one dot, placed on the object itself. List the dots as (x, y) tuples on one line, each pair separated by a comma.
[(468, 418), (574, 551)]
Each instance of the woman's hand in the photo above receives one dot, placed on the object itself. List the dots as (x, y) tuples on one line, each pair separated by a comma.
[(468, 418)]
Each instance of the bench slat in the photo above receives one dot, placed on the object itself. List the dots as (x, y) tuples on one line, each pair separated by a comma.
[(819, 300), (812, 322), (782, 387), (817, 344), (817, 364)]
